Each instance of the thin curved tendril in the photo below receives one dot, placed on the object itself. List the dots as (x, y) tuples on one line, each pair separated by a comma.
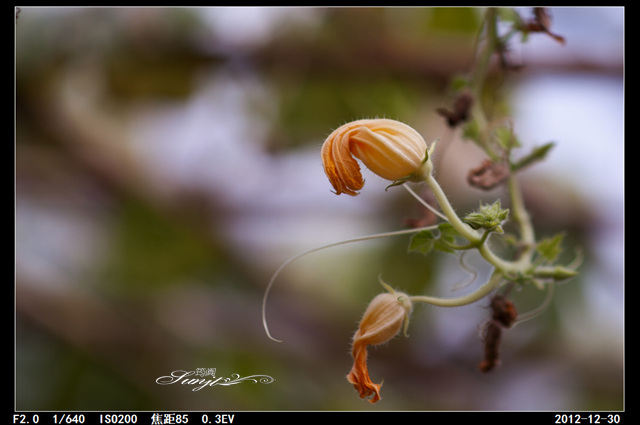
[(538, 310), (472, 272), (425, 203), (310, 251)]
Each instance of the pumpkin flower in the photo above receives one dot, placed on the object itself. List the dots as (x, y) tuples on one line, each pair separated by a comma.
[(381, 322), (390, 149)]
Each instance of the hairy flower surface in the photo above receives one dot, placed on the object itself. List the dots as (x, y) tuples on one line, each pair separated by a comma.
[(389, 148), (381, 322)]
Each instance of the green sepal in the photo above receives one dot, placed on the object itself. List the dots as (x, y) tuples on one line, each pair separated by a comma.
[(400, 181)]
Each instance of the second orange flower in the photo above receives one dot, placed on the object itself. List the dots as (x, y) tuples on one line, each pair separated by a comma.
[(382, 321)]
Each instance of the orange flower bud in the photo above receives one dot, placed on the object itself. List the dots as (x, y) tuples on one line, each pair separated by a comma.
[(381, 322), (389, 148)]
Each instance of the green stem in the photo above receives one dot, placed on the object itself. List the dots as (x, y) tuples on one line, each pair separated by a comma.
[(478, 294), (506, 267), (462, 228), (482, 65), (521, 266), (478, 78), (467, 232), (521, 216)]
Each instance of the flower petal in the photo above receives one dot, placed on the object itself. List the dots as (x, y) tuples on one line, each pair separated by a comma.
[(340, 167), (359, 375)]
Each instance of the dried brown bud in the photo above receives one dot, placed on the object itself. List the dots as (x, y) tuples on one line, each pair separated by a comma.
[(492, 337), (461, 109), (488, 175), (542, 23), (504, 311), (503, 316)]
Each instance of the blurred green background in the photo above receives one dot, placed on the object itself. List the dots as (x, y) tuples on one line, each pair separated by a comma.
[(167, 162)]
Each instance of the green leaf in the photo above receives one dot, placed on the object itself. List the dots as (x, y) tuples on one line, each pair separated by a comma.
[(426, 241), (550, 248), (538, 153), (506, 138), (447, 238), (459, 82), (471, 131), (422, 242)]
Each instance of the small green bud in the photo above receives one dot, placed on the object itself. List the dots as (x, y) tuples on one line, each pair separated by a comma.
[(556, 273), (563, 273), (488, 217)]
